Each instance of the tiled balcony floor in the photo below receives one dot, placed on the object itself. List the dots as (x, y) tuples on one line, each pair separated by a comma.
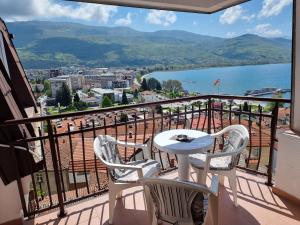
[(257, 205)]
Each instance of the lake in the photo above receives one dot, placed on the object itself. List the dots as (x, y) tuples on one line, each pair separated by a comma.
[(235, 80)]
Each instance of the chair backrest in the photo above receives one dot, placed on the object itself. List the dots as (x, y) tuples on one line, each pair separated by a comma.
[(106, 150), (236, 140), (178, 202)]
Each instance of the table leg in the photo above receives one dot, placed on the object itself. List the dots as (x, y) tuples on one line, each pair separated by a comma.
[(183, 167)]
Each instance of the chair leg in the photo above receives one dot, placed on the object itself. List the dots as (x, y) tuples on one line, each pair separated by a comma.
[(112, 202), (119, 194), (232, 183), (201, 177), (222, 177), (148, 204), (213, 212)]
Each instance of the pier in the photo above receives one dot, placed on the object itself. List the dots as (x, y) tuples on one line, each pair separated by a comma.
[(266, 91)]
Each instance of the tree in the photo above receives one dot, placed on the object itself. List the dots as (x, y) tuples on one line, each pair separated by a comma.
[(270, 106), (172, 86), (135, 93), (106, 102), (158, 86), (245, 106), (76, 98), (124, 98), (159, 109), (47, 85), (63, 96), (153, 84), (80, 105), (144, 85), (139, 78)]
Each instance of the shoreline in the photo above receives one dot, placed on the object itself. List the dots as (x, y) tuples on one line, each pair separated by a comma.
[(212, 67)]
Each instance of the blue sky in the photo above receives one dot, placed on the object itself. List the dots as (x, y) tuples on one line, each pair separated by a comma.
[(269, 18)]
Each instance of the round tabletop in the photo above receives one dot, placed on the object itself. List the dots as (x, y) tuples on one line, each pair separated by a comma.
[(198, 141)]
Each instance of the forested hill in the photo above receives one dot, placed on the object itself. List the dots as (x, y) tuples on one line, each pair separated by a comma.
[(53, 44)]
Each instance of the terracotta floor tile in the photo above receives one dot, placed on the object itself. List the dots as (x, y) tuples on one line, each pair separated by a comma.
[(257, 206)]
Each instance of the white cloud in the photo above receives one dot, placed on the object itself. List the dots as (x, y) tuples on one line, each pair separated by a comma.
[(267, 30), (273, 7), (231, 15), (124, 21), (248, 18), (231, 34), (13, 10), (161, 17)]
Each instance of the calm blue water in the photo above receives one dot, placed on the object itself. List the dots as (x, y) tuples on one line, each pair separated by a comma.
[(234, 80)]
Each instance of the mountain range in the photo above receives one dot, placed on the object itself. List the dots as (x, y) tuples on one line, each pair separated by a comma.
[(43, 44)]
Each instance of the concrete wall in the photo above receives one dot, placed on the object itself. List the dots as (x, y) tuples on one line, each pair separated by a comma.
[(10, 204), (296, 85), (287, 177)]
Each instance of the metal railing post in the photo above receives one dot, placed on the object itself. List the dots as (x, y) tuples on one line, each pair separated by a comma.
[(272, 144), (209, 116), (62, 211)]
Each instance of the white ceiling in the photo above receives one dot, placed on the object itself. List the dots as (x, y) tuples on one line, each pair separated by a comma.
[(199, 6)]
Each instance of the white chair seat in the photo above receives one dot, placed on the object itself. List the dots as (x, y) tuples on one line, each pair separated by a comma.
[(149, 168), (221, 163), (235, 140)]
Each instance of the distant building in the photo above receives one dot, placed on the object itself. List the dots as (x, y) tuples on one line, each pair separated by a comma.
[(54, 73), (77, 80), (105, 80), (100, 93), (57, 82), (93, 80), (114, 95), (120, 84)]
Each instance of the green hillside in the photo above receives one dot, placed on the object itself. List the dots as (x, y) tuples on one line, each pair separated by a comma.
[(52, 44)]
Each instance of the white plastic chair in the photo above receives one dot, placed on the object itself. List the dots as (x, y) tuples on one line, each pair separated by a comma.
[(223, 163), (122, 175), (182, 202)]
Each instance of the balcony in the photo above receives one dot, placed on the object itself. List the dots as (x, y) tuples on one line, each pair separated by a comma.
[(257, 205), (73, 179)]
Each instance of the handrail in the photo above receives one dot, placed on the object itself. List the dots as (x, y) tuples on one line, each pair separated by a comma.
[(206, 114), (141, 105)]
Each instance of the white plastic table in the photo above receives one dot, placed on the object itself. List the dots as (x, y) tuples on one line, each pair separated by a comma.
[(166, 142)]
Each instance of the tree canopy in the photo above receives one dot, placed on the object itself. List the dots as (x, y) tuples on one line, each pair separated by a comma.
[(106, 102), (153, 84), (63, 95), (144, 85), (76, 98), (172, 86), (80, 105), (135, 93), (124, 98)]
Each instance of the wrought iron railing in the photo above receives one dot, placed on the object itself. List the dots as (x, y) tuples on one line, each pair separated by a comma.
[(72, 172)]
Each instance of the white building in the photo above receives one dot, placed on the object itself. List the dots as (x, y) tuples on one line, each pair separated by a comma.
[(57, 82), (77, 80), (114, 95)]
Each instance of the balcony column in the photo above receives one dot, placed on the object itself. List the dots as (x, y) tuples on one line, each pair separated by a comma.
[(296, 70), (287, 179)]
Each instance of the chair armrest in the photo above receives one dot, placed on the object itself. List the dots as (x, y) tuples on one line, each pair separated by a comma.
[(133, 145), (214, 187), (220, 154), (218, 133), (126, 167), (122, 166)]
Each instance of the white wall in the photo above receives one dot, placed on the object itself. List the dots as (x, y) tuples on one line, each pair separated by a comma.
[(287, 175), (296, 85), (10, 204)]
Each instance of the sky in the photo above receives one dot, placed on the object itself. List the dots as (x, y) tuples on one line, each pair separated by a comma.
[(267, 18)]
